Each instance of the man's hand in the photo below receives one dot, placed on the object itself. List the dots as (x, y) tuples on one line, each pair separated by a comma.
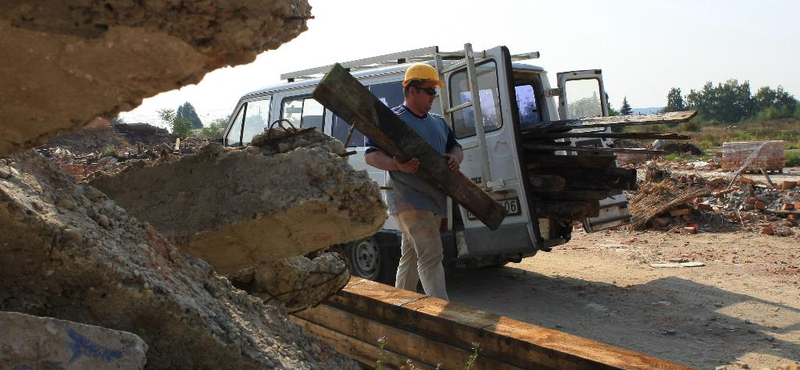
[(411, 166), (453, 161)]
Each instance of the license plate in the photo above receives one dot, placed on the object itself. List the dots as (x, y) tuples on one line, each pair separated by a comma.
[(510, 204)]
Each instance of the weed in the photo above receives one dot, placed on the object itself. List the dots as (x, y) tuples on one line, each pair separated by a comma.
[(381, 352), (476, 349), (109, 150)]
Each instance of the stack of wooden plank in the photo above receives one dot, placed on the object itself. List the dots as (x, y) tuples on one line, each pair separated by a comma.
[(771, 157)]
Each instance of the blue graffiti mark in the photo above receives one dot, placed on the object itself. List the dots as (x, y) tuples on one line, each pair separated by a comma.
[(82, 346)]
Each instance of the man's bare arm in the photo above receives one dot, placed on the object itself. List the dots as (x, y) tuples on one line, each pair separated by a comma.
[(379, 159)]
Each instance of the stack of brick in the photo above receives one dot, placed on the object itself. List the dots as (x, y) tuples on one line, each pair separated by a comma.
[(770, 158)]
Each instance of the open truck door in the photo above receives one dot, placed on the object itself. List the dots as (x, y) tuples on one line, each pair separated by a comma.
[(478, 102), (581, 95)]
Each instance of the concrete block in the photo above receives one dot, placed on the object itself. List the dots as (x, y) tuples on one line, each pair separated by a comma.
[(31, 343)]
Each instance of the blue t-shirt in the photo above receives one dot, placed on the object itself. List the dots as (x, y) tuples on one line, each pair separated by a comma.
[(409, 191)]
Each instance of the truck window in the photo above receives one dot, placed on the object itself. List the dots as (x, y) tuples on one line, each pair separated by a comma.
[(526, 103), (391, 94), (464, 120), (303, 112), (234, 135), (257, 119), (583, 99)]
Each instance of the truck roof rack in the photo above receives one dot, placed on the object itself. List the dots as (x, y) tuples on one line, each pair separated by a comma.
[(409, 56)]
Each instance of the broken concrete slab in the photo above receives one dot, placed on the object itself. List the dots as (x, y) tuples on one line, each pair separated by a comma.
[(66, 62), (295, 283), (61, 258), (32, 342), (235, 208)]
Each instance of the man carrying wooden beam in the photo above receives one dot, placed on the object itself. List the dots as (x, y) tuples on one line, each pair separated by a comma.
[(417, 206)]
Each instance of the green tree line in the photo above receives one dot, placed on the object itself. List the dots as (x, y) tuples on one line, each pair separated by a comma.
[(733, 102)]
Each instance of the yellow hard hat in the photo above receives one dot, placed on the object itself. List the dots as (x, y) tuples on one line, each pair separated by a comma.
[(421, 71)]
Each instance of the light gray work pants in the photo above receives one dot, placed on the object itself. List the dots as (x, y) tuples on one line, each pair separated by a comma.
[(422, 253)]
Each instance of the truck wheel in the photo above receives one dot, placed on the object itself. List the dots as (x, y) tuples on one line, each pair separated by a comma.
[(369, 261)]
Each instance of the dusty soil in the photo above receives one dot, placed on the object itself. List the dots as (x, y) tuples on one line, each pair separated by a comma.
[(742, 306)]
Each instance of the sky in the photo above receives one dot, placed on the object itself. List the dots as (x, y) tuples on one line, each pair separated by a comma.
[(643, 47)]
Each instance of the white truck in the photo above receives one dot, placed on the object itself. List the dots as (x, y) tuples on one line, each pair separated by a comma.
[(512, 100)]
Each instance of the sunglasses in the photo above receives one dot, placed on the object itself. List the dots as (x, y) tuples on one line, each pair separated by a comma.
[(430, 90)]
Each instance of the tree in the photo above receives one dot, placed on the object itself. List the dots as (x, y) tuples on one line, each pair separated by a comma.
[(117, 120), (187, 111), (586, 107), (215, 129), (774, 104), (675, 101), (625, 110), (180, 126), (728, 102)]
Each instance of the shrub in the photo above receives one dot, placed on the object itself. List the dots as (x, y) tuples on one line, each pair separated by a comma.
[(793, 159)]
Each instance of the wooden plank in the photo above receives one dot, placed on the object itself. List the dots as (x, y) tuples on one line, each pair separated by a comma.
[(594, 178), (347, 98), (570, 161), (546, 183), (615, 135), (630, 120), (363, 352), (575, 194), (510, 341), (418, 348), (568, 209), (534, 146)]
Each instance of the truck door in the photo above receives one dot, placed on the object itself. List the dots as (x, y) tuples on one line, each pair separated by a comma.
[(582, 94), (490, 160)]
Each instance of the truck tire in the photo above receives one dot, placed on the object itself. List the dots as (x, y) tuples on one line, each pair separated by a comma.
[(370, 261)]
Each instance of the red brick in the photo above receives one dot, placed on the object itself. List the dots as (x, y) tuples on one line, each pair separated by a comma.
[(768, 230), (788, 207), (679, 212), (760, 205), (691, 229)]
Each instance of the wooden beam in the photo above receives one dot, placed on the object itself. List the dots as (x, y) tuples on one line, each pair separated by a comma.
[(593, 178), (546, 183), (347, 98), (419, 349), (630, 120), (361, 351), (503, 339), (575, 194), (568, 209), (570, 161), (534, 146), (615, 135)]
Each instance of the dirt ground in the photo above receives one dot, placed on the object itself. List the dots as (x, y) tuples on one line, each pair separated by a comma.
[(742, 308)]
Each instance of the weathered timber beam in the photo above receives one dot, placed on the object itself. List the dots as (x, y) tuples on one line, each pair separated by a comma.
[(501, 338), (616, 135), (343, 95), (361, 351), (574, 194), (570, 161), (568, 209), (533, 146), (630, 120), (590, 178), (547, 183), (427, 351)]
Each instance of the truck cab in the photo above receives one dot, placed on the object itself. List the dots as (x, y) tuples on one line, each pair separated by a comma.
[(511, 101)]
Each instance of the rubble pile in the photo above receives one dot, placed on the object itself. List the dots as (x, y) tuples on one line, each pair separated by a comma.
[(690, 203), (70, 252), (287, 194), (108, 148)]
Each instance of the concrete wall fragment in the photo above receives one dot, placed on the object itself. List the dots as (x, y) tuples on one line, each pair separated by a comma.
[(66, 62), (71, 253), (31, 342), (239, 207)]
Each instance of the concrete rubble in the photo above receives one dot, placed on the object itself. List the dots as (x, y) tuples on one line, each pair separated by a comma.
[(30, 342), (71, 253), (295, 283), (287, 194), (67, 62)]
